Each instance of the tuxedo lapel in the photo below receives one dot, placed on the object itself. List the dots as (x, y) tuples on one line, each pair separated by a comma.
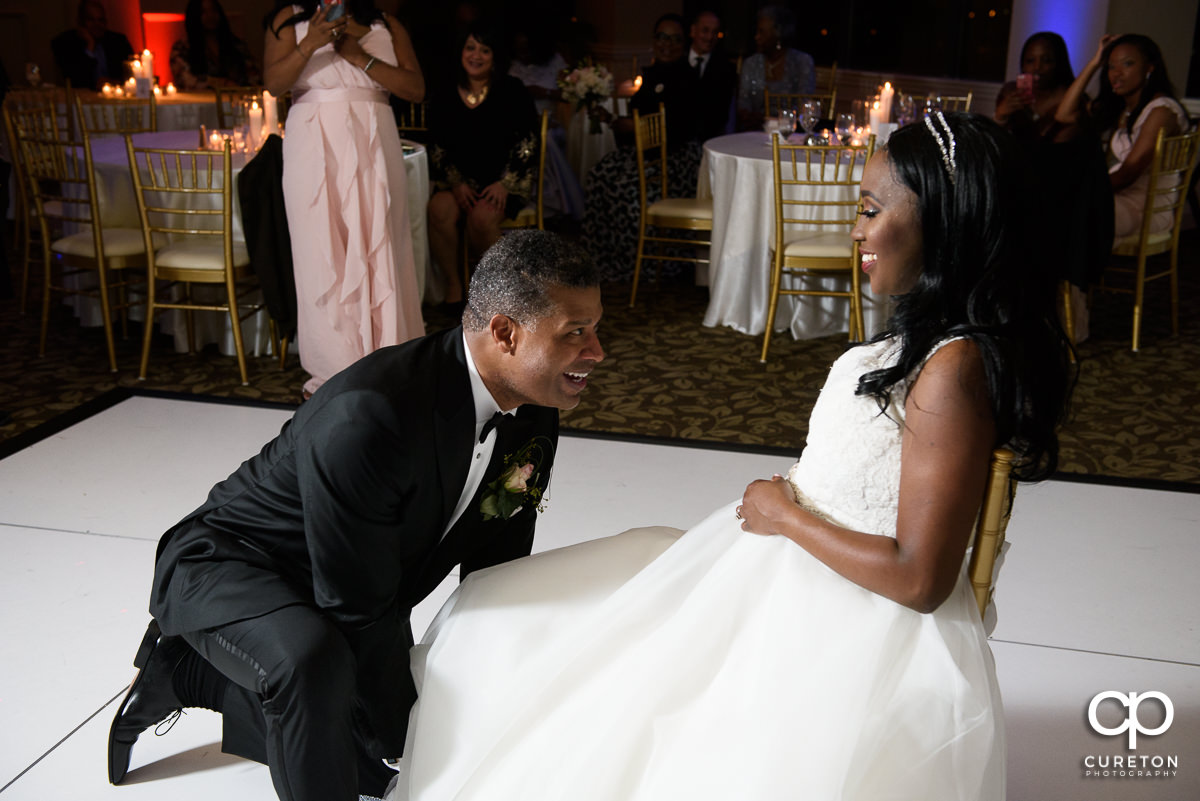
[(454, 424)]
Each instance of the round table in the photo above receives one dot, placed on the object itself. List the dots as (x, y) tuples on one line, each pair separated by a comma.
[(736, 171)]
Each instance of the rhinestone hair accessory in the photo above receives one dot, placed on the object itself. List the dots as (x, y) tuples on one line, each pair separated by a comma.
[(946, 143)]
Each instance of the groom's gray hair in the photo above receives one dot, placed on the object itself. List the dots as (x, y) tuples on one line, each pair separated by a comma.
[(515, 274)]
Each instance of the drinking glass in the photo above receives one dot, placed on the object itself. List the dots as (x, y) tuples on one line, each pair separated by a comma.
[(33, 74), (810, 115), (905, 109), (845, 127), (933, 103), (787, 123)]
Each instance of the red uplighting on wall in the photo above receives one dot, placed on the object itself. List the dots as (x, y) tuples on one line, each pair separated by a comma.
[(160, 32)]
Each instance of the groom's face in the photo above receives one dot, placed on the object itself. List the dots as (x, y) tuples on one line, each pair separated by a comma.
[(550, 362)]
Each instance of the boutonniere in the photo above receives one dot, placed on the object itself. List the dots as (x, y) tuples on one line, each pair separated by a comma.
[(658, 88), (518, 482)]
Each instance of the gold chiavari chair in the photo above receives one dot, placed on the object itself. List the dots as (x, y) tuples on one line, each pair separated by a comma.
[(186, 197), (816, 205), (61, 182), (988, 540), (1170, 174), (683, 213), (774, 101), (38, 113), (410, 120), (115, 115)]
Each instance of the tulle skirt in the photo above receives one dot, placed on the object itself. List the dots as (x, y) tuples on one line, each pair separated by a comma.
[(715, 665)]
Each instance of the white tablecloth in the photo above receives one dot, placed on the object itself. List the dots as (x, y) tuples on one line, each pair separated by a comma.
[(187, 111), (584, 148), (118, 207), (736, 172)]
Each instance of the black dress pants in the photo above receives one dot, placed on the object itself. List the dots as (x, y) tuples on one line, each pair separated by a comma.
[(291, 703)]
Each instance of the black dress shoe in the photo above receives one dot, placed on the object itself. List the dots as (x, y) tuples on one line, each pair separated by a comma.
[(151, 697)]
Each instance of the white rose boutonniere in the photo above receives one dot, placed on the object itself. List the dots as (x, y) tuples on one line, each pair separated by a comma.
[(517, 484)]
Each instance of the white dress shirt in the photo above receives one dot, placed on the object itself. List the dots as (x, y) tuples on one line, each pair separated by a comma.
[(485, 407), (693, 57)]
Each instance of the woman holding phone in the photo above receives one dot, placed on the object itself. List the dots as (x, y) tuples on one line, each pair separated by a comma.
[(344, 179), (1073, 197)]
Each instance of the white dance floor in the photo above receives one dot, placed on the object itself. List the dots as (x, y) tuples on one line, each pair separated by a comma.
[(1097, 595)]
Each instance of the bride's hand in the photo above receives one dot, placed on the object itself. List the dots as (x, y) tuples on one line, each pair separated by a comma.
[(765, 503)]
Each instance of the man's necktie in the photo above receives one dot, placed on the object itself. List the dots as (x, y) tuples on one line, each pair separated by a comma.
[(497, 421), (699, 66)]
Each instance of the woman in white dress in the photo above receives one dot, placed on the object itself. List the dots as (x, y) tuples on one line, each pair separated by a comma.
[(1135, 102), (816, 639)]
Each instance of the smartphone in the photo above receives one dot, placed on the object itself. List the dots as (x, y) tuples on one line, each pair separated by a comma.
[(336, 10), (1025, 86)]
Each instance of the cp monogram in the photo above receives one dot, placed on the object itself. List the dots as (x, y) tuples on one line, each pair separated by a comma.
[(1131, 723)]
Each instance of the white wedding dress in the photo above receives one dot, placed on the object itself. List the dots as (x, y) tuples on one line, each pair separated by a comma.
[(713, 666)]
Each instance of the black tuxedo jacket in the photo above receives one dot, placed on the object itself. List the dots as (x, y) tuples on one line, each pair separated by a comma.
[(717, 86), (344, 511)]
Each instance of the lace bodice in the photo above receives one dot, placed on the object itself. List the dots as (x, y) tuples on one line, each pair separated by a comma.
[(849, 472)]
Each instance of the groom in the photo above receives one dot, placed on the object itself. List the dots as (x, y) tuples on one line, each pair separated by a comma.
[(283, 602)]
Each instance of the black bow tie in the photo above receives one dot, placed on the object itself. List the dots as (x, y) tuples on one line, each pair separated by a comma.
[(497, 421)]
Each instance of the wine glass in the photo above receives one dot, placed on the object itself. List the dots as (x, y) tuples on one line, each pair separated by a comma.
[(933, 103), (810, 115), (787, 123), (845, 127), (905, 109)]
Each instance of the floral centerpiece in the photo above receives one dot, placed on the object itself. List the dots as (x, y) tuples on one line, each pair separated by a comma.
[(518, 484), (585, 86)]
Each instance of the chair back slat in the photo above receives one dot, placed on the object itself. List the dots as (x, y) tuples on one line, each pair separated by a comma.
[(183, 192), (650, 144), (811, 166), (410, 117), (60, 182), (108, 115)]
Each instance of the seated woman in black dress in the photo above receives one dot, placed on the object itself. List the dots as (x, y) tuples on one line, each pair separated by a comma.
[(483, 153)]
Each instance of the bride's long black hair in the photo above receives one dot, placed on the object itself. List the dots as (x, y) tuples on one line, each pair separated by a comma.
[(982, 279)]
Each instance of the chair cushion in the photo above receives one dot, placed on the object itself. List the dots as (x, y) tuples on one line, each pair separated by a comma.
[(1128, 245), (117, 242), (199, 256), (819, 244), (686, 207), (526, 216)]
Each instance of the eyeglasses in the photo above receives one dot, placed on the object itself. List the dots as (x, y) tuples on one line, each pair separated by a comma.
[(668, 37)]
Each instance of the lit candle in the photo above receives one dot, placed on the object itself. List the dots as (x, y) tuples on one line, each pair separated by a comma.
[(157, 90), (876, 115), (148, 65), (215, 141), (106, 90), (171, 88), (118, 92), (270, 114), (885, 101), (136, 68), (131, 86), (256, 124)]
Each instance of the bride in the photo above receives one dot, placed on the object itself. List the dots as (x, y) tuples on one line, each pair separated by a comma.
[(816, 639)]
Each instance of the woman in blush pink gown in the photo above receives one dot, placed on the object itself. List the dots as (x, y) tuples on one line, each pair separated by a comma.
[(344, 179)]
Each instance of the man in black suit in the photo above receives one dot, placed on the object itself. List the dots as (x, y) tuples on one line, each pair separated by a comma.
[(717, 77), (90, 54), (283, 602)]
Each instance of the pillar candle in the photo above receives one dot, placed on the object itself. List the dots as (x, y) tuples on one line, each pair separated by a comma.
[(171, 88), (876, 115), (885, 101), (255, 134), (106, 90), (270, 114), (148, 65)]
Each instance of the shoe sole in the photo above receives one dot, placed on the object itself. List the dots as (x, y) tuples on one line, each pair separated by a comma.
[(149, 640)]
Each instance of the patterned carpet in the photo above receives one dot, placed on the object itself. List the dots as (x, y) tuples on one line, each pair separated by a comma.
[(1134, 416)]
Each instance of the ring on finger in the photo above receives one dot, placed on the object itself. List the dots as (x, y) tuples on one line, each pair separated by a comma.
[(738, 513)]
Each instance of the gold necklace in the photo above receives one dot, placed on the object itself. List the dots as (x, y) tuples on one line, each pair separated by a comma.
[(475, 100)]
